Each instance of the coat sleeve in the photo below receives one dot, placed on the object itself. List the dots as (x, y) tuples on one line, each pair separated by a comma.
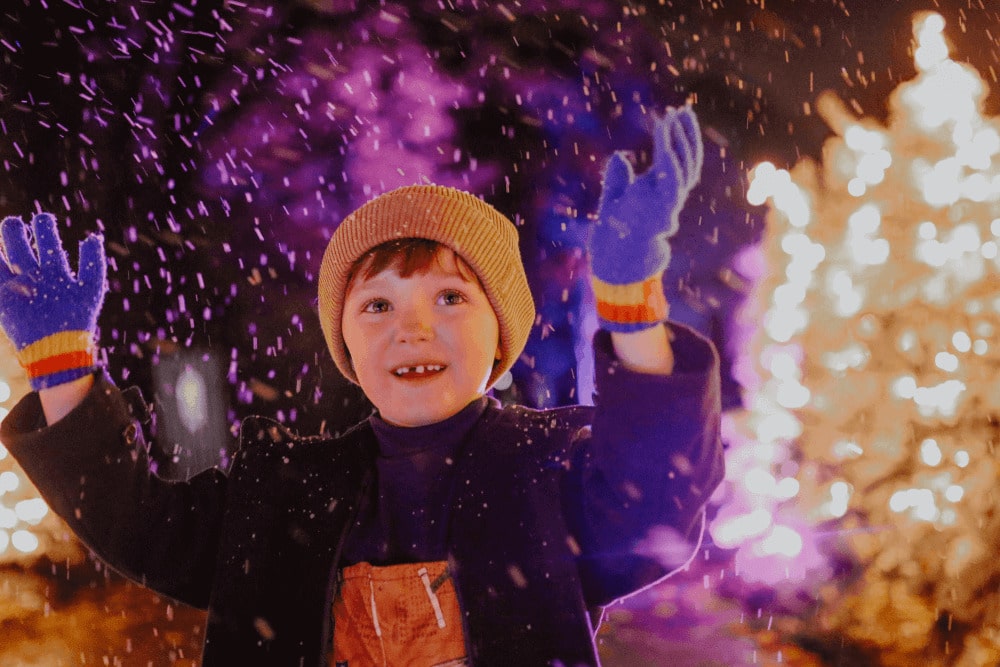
[(92, 468), (642, 473)]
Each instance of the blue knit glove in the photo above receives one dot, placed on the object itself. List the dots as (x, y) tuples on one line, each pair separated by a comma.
[(48, 313), (629, 246)]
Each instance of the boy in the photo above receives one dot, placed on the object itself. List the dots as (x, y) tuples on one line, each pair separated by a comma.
[(443, 530)]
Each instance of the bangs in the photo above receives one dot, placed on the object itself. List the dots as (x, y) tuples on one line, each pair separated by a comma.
[(407, 256)]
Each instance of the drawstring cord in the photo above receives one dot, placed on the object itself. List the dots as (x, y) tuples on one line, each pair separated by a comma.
[(378, 628), (438, 614)]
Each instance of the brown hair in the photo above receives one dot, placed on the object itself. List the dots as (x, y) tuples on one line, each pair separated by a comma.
[(408, 256)]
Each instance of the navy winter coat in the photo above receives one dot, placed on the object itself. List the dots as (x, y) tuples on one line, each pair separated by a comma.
[(545, 529)]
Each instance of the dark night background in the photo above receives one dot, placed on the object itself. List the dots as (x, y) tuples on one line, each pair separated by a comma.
[(218, 144)]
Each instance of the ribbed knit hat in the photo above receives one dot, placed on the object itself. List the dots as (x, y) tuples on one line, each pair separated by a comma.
[(481, 235)]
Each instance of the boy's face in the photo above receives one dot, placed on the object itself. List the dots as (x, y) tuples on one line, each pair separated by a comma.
[(422, 346)]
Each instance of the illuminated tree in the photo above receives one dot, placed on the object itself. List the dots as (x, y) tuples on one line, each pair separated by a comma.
[(27, 529), (872, 418)]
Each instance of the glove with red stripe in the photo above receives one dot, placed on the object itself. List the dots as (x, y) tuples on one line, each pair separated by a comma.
[(629, 247), (49, 313)]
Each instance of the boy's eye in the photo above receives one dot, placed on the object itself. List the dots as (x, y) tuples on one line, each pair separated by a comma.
[(451, 298), (376, 306)]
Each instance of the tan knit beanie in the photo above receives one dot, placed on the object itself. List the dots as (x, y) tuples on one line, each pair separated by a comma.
[(480, 234)]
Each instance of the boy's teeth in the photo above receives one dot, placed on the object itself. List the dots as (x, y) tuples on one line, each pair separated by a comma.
[(418, 369)]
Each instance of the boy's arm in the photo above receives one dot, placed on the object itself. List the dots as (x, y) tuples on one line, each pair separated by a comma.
[(62, 399), (79, 439), (654, 454), (645, 351), (641, 475), (92, 468)]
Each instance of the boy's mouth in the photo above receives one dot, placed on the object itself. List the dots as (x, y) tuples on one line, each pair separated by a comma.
[(418, 371)]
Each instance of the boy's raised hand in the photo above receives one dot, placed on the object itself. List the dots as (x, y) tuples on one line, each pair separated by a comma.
[(629, 246), (49, 313)]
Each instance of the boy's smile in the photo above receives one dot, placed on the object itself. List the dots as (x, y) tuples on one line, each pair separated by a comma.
[(419, 371), (422, 346)]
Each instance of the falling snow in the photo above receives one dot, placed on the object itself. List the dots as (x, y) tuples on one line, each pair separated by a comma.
[(217, 145)]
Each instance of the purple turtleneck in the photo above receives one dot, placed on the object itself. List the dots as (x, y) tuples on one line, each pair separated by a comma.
[(403, 518)]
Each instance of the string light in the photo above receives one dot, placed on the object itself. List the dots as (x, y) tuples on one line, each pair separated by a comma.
[(870, 377), (26, 524)]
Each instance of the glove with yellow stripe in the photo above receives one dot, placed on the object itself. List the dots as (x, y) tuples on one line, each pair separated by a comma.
[(49, 313), (629, 246)]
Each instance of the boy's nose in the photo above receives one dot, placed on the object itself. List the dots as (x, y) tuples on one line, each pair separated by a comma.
[(415, 325)]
